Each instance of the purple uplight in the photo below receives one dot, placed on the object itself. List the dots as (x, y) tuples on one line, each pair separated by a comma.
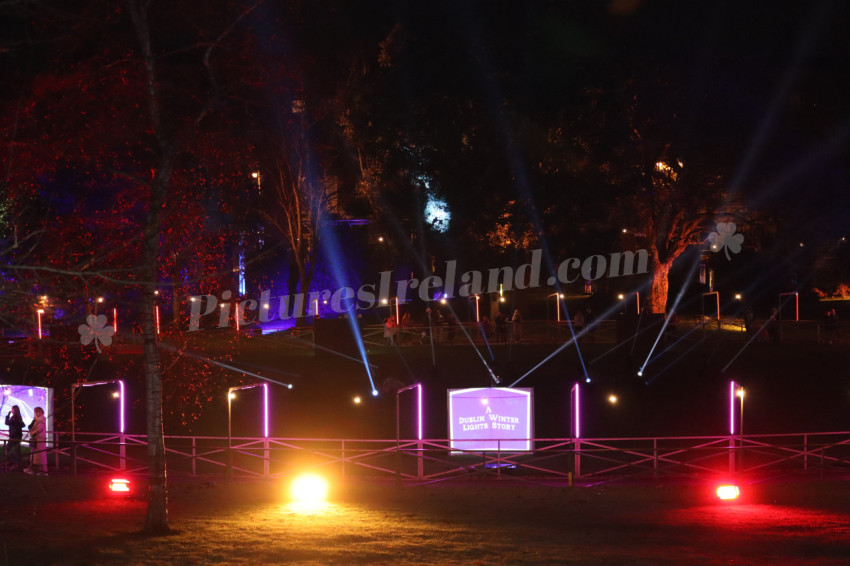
[(266, 410), (418, 387), (731, 407), (574, 401), (120, 396), (419, 409), (121, 407)]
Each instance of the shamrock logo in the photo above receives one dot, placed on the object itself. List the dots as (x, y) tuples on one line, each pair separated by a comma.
[(95, 329), (725, 237)]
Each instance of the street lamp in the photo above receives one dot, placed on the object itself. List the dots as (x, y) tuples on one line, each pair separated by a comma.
[(575, 431), (735, 391), (558, 297), (39, 312), (231, 395), (623, 296), (118, 395), (418, 387)]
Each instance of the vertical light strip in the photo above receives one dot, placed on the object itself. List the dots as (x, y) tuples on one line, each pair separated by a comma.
[(731, 407), (121, 407), (576, 415), (156, 313), (266, 410), (419, 408), (39, 312)]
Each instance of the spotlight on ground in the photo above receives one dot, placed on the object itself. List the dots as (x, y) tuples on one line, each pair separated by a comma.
[(309, 489), (119, 485), (728, 492)]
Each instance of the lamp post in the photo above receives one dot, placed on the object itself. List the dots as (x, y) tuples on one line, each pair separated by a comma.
[(38, 313), (558, 297), (231, 395), (118, 395), (740, 394), (575, 430), (717, 300), (418, 387), (736, 391), (477, 309), (624, 296)]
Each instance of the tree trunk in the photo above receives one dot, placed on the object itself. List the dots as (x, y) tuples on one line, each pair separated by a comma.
[(656, 302), (156, 521)]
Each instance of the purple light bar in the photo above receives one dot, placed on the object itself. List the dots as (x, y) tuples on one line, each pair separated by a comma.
[(265, 387), (731, 407), (574, 400), (121, 406), (419, 409), (266, 410), (121, 400)]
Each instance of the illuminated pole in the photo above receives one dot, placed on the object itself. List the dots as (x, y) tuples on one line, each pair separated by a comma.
[(740, 394), (558, 297), (796, 305), (623, 296), (717, 300), (732, 391), (38, 313), (477, 309), (418, 387), (115, 319), (118, 395), (575, 430), (231, 395)]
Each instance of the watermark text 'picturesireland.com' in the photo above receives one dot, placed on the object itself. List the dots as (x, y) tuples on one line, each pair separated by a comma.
[(470, 283)]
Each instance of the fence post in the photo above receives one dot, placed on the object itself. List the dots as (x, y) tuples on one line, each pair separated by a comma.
[(655, 456), (123, 452), (577, 458), (731, 454), (194, 456), (266, 462), (420, 471), (805, 452)]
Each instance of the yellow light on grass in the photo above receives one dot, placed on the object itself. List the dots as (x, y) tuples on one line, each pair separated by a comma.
[(309, 488)]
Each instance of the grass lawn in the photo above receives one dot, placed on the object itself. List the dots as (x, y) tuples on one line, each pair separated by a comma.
[(61, 520)]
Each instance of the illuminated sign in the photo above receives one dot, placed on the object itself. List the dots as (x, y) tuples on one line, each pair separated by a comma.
[(491, 418)]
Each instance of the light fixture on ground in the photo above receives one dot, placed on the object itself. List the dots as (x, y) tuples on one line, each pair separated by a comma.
[(728, 492), (309, 488)]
